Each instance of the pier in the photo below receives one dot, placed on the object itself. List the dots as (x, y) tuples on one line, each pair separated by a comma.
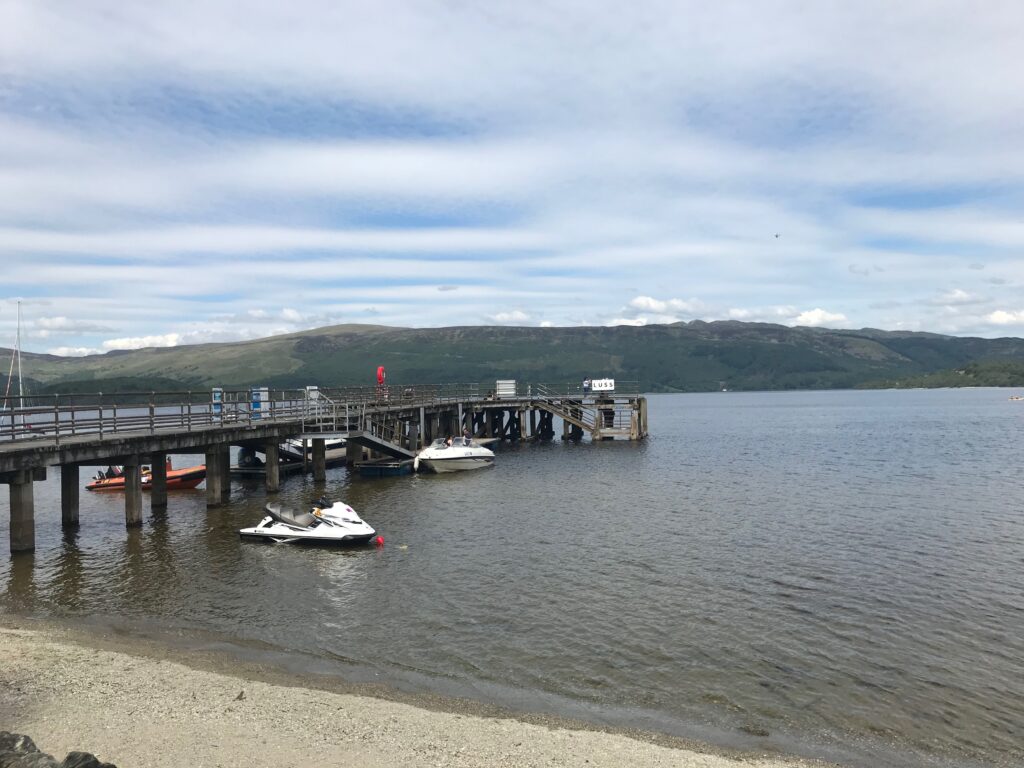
[(138, 429)]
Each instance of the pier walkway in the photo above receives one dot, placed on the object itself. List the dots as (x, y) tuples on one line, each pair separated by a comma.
[(137, 429)]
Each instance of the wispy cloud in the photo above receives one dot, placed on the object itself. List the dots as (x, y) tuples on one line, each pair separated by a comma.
[(174, 170)]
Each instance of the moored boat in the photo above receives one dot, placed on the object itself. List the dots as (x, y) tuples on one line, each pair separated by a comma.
[(453, 455), (177, 479)]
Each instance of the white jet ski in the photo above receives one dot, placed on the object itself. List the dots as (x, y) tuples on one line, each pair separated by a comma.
[(326, 523), (463, 453)]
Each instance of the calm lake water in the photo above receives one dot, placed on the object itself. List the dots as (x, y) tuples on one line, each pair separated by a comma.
[(842, 571)]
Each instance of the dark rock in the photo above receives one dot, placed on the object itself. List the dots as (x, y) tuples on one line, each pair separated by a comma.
[(15, 742), (18, 751), (27, 760), (83, 760)]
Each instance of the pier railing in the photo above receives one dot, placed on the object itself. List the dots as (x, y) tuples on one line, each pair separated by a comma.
[(56, 417), (575, 390), (53, 417)]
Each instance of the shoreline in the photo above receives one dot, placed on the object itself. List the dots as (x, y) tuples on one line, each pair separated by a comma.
[(141, 701)]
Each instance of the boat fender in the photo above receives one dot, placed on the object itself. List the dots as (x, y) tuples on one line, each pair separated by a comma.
[(379, 541), (416, 464)]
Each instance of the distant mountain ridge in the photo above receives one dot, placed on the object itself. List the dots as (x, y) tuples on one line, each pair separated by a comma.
[(687, 356)]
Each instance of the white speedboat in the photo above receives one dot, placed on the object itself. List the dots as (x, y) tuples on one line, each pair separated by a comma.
[(455, 455), (326, 523)]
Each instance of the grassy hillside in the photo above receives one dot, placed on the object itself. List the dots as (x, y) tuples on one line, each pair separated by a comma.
[(986, 373), (694, 356)]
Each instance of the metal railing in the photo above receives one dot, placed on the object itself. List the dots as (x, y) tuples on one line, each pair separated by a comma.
[(575, 390), (56, 417), (334, 409)]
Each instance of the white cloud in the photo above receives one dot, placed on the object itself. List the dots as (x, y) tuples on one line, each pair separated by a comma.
[(74, 351), (634, 321), (509, 318), (1006, 317), (762, 314), (956, 298), (668, 306), (140, 342), (820, 318), (68, 326), (546, 324)]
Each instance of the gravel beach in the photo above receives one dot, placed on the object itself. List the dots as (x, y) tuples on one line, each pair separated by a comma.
[(69, 690)]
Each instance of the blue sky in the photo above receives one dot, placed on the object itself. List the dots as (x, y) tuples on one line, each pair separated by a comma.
[(197, 172)]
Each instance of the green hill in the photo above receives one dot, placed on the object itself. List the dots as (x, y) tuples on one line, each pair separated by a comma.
[(695, 356)]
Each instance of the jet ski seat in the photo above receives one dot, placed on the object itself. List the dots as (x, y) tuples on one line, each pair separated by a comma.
[(291, 517)]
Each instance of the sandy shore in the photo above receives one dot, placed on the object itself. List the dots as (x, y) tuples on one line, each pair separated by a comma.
[(69, 690)]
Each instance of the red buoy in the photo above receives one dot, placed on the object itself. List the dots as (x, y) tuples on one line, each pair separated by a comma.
[(379, 541)]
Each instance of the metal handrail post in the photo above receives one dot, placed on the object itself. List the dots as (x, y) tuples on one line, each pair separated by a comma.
[(56, 419), (152, 412), (189, 403)]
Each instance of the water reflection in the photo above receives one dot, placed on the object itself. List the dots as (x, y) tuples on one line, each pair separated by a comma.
[(21, 588), (69, 573)]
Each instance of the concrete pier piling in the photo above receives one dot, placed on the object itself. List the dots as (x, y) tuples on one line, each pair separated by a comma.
[(353, 453), (133, 494), (158, 485), (214, 477), (23, 514), (69, 496), (272, 467), (225, 473), (319, 460)]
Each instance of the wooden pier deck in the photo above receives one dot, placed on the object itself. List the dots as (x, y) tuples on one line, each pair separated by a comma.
[(136, 429)]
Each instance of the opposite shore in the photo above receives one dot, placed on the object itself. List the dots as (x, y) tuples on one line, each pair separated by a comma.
[(140, 703)]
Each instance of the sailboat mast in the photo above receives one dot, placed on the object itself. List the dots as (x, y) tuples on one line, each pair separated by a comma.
[(21, 389)]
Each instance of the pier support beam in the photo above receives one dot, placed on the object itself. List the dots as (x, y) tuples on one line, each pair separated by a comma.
[(23, 514), (272, 466), (158, 486), (214, 477), (132, 494), (319, 460), (69, 495)]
